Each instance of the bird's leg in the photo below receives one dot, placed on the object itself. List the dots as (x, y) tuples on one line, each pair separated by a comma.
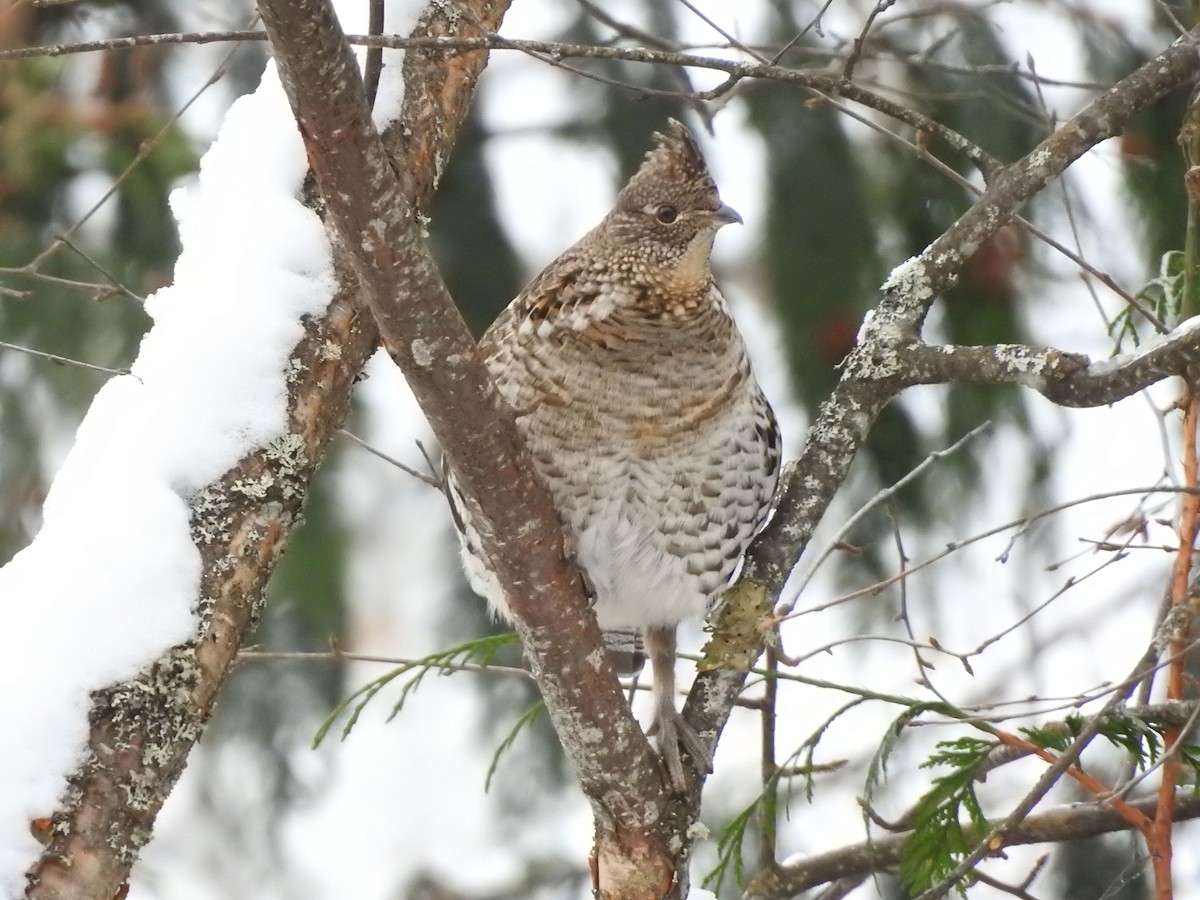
[(625, 650), (669, 726)]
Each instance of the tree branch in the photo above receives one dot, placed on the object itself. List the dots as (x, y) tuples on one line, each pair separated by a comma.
[(639, 847), (1067, 823), (143, 730), (1068, 379), (553, 52)]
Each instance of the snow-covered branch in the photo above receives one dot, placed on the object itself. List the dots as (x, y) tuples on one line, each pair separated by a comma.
[(205, 454)]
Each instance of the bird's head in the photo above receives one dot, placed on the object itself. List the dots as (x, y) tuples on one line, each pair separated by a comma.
[(669, 212)]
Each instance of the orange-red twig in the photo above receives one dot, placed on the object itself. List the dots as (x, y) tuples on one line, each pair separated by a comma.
[(1159, 839), (1131, 815)]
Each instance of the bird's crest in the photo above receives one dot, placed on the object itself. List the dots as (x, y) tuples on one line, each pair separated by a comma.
[(677, 150), (675, 163)]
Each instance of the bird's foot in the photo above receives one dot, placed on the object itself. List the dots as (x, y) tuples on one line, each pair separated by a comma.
[(674, 734)]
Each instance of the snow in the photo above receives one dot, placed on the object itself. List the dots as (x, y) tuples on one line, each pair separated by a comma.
[(1182, 332), (111, 581), (246, 237), (398, 19)]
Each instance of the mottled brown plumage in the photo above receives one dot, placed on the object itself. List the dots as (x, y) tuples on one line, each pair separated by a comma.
[(632, 388)]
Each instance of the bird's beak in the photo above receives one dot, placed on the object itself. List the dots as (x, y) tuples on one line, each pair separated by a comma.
[(726, 215)]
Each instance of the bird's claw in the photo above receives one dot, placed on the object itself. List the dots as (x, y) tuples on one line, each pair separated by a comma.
[(673, 734)]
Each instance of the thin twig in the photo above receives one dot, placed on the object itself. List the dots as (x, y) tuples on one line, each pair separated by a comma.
[(884, 496), (117, 285), (62, 360), (912, 642), (923, 667), (99, 291), (1014, 890), (408, 470), (955, 546), (253, 654), (373, 67), (814, 24), (768, 809), (733, 41), (624, 29), (860, 41), (1072, 582), (144, 150)]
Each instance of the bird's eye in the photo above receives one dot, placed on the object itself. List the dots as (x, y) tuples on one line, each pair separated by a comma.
[(666, 214)]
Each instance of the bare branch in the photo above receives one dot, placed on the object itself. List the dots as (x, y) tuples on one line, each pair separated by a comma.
[(253, 654), (861, 41), (1067, 823), (61, 360), (144, 150), (553, 53), (432, 480), (882, 497), (373, 67), (1068, 379)]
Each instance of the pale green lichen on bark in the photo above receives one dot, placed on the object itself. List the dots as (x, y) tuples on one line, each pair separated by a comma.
[(289, 451), (256, 488), (737, 636), (210, 517)]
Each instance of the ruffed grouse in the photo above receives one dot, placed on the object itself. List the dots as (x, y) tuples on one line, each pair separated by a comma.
[(632, 388)]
